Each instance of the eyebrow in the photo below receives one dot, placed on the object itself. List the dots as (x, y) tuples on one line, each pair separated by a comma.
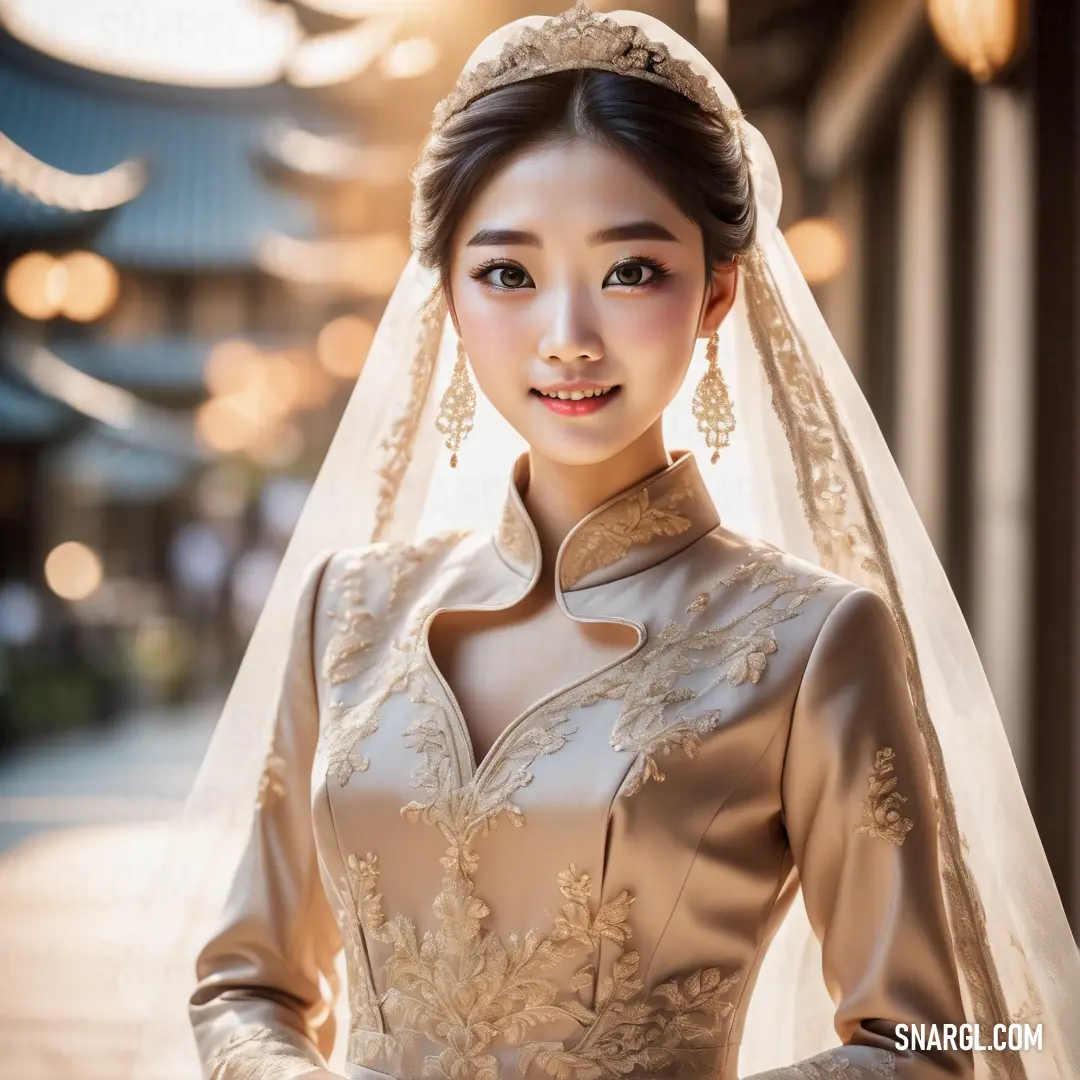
[(634, 230)]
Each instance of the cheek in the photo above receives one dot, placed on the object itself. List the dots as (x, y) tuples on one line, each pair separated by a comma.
[(655, 341), (497, 343)]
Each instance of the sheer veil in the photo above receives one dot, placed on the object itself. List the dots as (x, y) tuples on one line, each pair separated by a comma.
[(807, 470)]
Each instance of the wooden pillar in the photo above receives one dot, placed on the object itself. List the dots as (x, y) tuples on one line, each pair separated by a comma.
[(921, 324), (960, 301), (1001, 550), (1056, 664)]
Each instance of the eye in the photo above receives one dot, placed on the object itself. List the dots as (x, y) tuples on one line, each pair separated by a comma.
[(628, 273), (511, 281)]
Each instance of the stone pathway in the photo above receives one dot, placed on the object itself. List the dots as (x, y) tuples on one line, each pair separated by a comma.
[(81, 837)]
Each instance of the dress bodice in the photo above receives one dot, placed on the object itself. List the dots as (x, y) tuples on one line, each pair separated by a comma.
[(595, 897)]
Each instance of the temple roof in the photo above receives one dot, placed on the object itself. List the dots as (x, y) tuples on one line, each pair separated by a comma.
[(205, 205)]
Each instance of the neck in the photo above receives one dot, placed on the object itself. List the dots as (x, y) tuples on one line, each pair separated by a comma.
[(560, 495)]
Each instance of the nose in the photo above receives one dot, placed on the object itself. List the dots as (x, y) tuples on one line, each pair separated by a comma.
[(570, 332)]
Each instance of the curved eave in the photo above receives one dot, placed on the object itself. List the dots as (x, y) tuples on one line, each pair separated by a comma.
[(27, 416), (21, 216), (205, 206)]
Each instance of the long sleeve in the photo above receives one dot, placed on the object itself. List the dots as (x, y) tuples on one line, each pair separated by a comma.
[(862, 826), (263, 1005)]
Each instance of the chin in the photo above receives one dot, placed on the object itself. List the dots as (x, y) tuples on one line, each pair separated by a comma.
[(578, 450)]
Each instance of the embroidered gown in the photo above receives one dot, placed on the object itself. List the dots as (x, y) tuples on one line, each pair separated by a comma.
[(594, 898)]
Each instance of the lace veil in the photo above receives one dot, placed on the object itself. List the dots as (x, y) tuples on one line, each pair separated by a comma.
[(807, 470)]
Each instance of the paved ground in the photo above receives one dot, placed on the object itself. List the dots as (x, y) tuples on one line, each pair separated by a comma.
[(80, 837)]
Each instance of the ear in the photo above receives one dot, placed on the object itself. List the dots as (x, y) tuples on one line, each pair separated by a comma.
[(723, 288)]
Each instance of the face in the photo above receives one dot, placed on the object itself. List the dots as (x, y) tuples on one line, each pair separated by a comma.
[(578, 338)]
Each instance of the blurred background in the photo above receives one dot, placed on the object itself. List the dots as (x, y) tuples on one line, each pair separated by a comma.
[(203, 209)]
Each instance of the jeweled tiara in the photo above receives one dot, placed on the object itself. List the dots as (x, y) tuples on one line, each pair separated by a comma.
[(582, 38)]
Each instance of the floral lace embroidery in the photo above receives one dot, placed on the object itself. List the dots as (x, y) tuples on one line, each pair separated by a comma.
[(344, 658), (647, 683), (351, 724), (265, 1047), (881, 809), (400, 442), (834, 1065), (465, 987), (272, 780), (363, 999), (348, 654), (579, 38), (606, 538), (842, 542), (354, 627), (514, 536)]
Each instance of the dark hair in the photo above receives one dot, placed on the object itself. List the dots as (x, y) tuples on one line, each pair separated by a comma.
[(697, 158)]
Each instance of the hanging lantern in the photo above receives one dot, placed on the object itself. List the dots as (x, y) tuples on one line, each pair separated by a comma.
[(982, 36)]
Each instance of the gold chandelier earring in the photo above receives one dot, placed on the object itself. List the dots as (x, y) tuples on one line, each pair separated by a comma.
[(712, 403), (455, 419)]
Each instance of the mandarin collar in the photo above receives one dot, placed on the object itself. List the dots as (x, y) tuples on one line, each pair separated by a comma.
[(650, 521)]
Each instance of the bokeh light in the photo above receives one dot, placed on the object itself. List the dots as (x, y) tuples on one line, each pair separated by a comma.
[(231, 366), (73, 570), (81, 286), (979, 35), (343, 345), (91, 286), (224, 424), (28, 288), (820, 247)]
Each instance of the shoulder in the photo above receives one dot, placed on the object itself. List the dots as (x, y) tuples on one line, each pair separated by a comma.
[(367, 594), (748, 563), (382, 564), (370, 581), (834, 611)]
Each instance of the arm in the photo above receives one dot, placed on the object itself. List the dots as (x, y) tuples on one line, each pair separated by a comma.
[(258, 1010), (862, 825)]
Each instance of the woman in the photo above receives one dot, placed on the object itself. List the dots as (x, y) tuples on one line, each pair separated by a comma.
[(615, 788)]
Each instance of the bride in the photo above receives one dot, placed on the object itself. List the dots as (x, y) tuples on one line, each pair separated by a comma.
[(583, 756)]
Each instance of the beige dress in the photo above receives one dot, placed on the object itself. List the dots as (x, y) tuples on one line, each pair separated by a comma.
[(594, 898)]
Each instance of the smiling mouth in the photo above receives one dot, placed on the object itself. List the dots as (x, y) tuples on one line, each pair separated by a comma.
[(575, 395), (577, 402)]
